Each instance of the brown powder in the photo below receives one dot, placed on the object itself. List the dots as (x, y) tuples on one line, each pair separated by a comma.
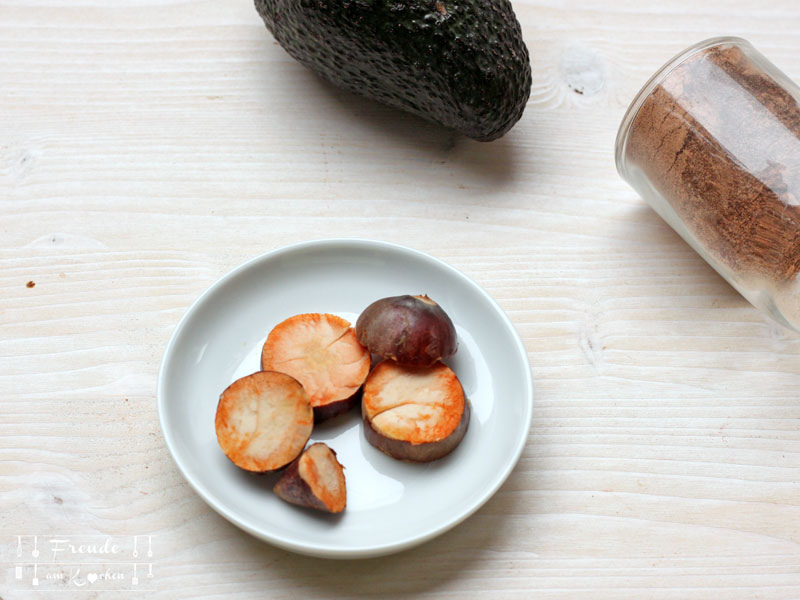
[(719, 140)]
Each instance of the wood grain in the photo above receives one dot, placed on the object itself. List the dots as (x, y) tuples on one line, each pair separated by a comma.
[(146, 148)]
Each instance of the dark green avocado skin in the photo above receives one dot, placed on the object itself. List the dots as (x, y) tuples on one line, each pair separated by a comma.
[(460, 63)]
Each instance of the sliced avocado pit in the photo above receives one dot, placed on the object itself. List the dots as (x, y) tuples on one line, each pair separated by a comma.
[(263, 421), (320, 351), (315, 480), (414, 414)]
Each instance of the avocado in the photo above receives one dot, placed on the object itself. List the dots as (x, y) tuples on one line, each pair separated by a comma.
[(460, 63)]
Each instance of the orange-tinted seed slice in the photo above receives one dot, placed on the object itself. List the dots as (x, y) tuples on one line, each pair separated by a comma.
[(320, 351), (263, 421), (415, 405)]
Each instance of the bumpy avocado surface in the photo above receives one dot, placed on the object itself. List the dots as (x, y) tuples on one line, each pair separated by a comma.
[(461, 63)]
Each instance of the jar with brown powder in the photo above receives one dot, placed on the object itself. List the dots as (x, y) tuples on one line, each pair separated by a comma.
[(712, 143)]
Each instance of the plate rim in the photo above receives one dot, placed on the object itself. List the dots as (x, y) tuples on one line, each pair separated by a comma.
[(321, 550)]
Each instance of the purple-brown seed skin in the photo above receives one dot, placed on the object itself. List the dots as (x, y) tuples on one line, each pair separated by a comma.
[(339, 407), (413, 331), (293, 489)]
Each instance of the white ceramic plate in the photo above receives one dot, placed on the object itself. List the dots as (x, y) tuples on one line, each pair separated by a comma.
[(391, 505)]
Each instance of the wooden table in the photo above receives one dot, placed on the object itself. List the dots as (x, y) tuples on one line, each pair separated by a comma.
[(146, 148)]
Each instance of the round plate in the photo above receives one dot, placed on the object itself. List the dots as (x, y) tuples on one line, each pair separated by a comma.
[(391, 505)]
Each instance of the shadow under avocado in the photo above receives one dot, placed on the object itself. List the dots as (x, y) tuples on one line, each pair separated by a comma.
[(493, 163)]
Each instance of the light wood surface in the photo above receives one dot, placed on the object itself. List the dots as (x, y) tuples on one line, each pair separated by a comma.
[(146, 148)]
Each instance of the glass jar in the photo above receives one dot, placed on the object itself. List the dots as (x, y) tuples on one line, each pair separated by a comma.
[(712, 143)]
